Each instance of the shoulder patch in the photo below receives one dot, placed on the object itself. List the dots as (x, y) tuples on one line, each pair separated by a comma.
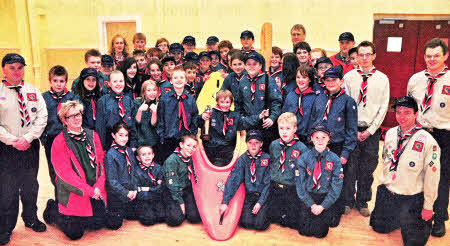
[(264, 162), (418, 146), (329, 165)]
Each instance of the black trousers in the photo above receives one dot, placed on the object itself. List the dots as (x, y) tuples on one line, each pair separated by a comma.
[(74, 226), (220, 156), (117, 210), (18, 177), (48, 153), (249, 220), (151, 212), (284, 205), (360, 167), (441, 204), (166, 149), (393, 211), (175, 216), (316, 225)]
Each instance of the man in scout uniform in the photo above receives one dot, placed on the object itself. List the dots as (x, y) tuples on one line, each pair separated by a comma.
[(431, 90), (409, 178)]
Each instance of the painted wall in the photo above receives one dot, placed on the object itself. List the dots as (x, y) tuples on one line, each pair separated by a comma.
[(61, 24)]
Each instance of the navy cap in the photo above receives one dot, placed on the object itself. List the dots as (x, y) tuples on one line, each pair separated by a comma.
[(168, 58), (86, 72), (192, 57), (406, 101), (107, 60), (346, 36), (214, 52), (189, 40), (176, 47), (11, 58), (334, 72), (212, 40), (323, 59), (320, 127), (247, 34), (203, 54), (255, 56), (254, 134)]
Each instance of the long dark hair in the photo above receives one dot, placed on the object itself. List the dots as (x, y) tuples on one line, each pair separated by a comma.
[(290, 65), (83, 92), (125, 65)]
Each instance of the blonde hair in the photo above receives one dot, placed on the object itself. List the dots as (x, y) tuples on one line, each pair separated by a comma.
[(113, 40), (224, 94), (288, 117), (146, 84), (144, 146), (116, 72), (65, 107)]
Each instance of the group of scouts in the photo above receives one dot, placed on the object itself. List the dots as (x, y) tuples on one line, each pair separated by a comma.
[(312, 127)]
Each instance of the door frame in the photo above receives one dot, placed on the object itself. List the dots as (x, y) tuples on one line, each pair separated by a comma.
[(104, 19), (398, 16)]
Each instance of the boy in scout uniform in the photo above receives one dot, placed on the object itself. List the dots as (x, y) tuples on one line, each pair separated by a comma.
[(409, 178), (283, 200), (252, 169), (319, 178), (431, 90)]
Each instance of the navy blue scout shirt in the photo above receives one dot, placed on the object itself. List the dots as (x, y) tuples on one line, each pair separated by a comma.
[(219, 67), (195, 87), (119, 179), (342, 120), (288, 88), (231, 83), (331, 178), (108, 115), (88, 113), (146, 132), (54, 124), (241, 174), (277, 73), (292, 153), (216, 130), (141, 178), (303, 111), (244, 103), (168, 124)]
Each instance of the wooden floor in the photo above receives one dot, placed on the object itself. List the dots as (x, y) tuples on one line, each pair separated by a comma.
[(353, 230)]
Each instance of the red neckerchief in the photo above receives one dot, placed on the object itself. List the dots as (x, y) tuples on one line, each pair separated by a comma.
[(426, 103), (317, 171), (225, 119), (24, 116), (300, 94), (148, 170), (253, 83), (123, 150), (253, 165), (330, 102), (121, 107), (246, 52), (57, 97), (90, 150), (224, 63), (277, 71), (363, 90), (188, 162), (400, 148), (181, 111), (239, 77), (284, 147)]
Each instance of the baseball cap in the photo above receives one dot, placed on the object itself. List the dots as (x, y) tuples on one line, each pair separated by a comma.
[(86, 72), (176, 47), (189, 40), (247, 34), (346, 36), (11, 58), (107, 60), (212, 40), (254, 134)]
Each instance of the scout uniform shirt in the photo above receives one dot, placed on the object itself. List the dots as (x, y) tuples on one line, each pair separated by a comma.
[(325, 177), (146, 180), (231, 83), (255, 174), (10, 120), (223, 128), (283, 162), (146, 132), (438, 113), (418, 166), (176, 171), (371, 96)]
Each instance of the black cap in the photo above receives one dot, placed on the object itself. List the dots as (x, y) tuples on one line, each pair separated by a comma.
[(323, 59), (212, 40), (203, 54), (334, 72), (247, 34), (346, 36), (214, 52), (86, 72), (11, 58), (320, 127), (255, 56), (254, 134), (192, 57), (107, 60), (189, 40), (406, 101), (176, 47), (168, 58)]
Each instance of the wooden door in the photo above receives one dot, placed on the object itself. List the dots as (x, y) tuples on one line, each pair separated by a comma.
[(126, 29)]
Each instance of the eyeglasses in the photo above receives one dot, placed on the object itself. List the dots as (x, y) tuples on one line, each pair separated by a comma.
[(74, 116), (365, 55)]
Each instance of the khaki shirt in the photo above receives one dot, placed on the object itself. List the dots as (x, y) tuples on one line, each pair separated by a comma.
[(438, 115), (418, 167), (372, 115), (10, 123)]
